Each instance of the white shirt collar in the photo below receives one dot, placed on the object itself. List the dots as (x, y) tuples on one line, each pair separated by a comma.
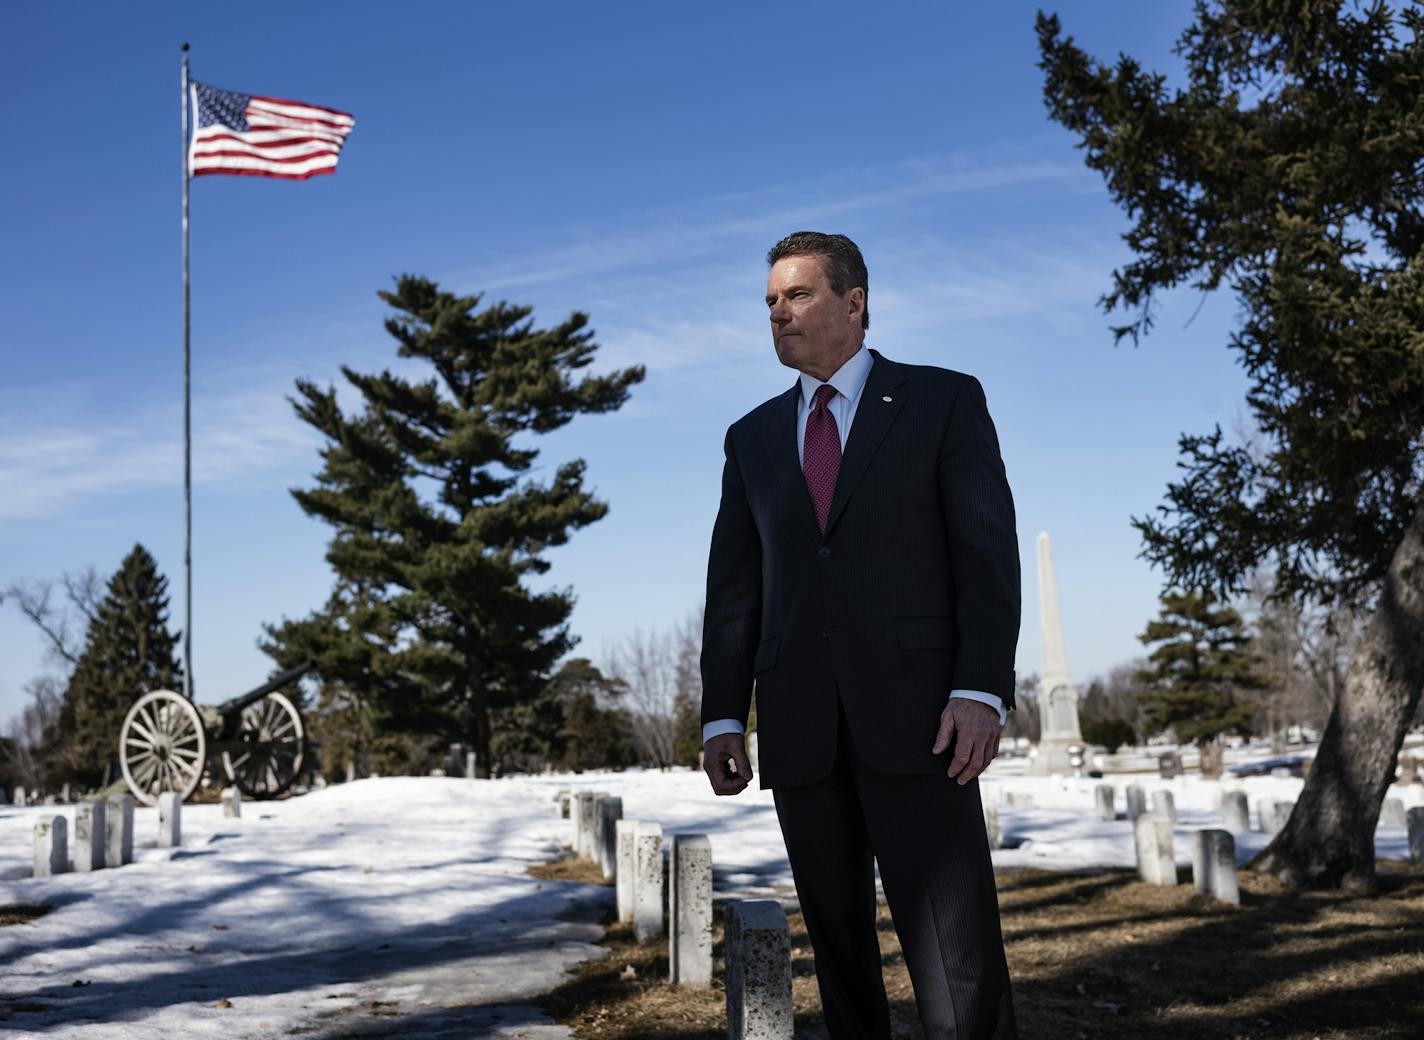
[(848, 380)]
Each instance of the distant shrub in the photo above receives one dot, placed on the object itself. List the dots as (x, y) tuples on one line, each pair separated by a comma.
[(1110, 733)]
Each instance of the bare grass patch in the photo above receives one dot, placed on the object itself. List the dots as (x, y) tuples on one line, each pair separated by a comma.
[(1094, 955)]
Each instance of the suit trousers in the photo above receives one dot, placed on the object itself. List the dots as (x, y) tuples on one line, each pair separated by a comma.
[(926, 832)]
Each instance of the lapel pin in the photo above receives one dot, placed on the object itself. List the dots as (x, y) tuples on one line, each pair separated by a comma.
[(887, 398)]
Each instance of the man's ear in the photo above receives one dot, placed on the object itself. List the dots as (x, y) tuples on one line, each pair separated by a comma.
[(854, 295)]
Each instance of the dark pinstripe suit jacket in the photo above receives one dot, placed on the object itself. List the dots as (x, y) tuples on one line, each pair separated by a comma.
[(913, 591)]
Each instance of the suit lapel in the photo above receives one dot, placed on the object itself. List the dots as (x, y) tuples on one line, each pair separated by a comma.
[(873, 417)]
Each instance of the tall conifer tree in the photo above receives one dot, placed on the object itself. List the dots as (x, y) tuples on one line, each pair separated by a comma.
[(1200, 665), (128, 651), (1287, 168), (436, 520)]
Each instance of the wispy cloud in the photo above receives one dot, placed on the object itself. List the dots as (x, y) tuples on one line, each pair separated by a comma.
[(706, 321), (700, 230), (54, 458), (675, 294)]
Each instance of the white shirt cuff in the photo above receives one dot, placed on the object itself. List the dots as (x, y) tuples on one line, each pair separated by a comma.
[(995, 702), (718, 726)]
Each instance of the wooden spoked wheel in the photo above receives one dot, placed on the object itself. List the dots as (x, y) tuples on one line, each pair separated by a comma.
[(162, 746), (273, 741)]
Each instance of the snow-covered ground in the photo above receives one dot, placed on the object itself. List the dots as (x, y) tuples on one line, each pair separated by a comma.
[(1061, 830), (413, 890), (405, 890)]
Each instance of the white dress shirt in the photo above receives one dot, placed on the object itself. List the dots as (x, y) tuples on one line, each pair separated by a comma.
[(849, 381)]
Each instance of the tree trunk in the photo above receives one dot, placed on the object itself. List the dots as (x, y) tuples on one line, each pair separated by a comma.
[(1329, 840), (477, 733)]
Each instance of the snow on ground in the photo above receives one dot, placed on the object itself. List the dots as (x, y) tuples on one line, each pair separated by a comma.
[(413, 890), (1061, 830), (400, 889)]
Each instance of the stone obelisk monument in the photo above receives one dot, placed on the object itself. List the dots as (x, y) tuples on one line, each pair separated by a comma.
[(1057, 698)]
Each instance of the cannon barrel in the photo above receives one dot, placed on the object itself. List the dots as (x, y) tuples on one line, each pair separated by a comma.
[(241, 701)]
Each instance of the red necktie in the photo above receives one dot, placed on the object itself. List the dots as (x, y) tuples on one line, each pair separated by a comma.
[(821, 454)]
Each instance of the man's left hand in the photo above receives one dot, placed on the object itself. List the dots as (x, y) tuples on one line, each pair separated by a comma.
[(974, 729)]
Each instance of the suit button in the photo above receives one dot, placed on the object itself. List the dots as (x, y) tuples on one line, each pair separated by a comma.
[(824, 551), (825, 633)]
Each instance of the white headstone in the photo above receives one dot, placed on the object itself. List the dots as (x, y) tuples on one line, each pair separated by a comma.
[(89, 836), (1156, 863), (1106, 797), (579, 817), (1266, 814), (1136, 797), (595, 825), (20, 796), (1414, 820), (1235, 811), (1214, 865), (170, 820), (625, 832), (991, 826), (648, 881), (470, 758), (51, 846), (232, 802), (1058, 699), (1392, 813), (690, 910), (757, 947), (1164, 804), (64, 793), (608, 836), (118, 826)]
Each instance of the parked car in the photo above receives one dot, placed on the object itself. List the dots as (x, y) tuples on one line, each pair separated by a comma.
[(1295, 765)]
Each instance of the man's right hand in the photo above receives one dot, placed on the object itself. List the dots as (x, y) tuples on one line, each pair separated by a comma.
[(727, 777)]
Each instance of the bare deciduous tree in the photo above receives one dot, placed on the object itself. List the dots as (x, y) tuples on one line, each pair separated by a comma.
[(1114, 695), (26, 731), (660, 672), (64, 625), (1305, 651), (1023, 721), (647, 665)]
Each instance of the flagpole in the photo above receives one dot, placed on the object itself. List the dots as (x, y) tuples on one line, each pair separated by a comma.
[(187, 423)]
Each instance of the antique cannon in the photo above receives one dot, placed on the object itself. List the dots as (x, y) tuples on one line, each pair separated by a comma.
[(167, 741)]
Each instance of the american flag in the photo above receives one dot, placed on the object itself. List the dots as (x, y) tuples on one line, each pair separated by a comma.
[(263, 136)]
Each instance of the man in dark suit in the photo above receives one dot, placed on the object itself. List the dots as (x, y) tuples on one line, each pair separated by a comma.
[(864, 574)]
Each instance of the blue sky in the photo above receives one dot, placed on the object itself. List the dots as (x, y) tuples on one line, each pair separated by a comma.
[(634, 161)]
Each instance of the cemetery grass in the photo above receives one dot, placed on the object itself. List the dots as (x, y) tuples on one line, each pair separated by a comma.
[(1093, 954)]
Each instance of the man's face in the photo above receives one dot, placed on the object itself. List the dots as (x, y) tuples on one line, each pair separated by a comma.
[(812, 328)]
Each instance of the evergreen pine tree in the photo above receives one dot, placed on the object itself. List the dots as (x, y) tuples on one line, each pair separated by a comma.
[(128, 651), (597, 733), (687, 738), (1201, 662), (436, 520), (1286, 168)]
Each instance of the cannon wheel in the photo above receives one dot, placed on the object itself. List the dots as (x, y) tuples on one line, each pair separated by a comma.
[(162, 746), (274, 740)]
